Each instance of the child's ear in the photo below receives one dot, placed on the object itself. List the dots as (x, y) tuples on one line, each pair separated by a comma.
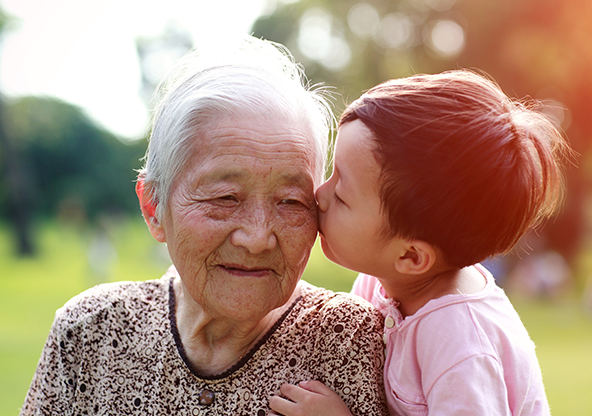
[(418, 257), (148, 208)]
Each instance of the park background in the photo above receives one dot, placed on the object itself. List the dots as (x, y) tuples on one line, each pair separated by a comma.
[(68, 214)]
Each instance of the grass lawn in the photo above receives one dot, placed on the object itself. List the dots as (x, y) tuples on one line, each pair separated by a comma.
[(32, 289)]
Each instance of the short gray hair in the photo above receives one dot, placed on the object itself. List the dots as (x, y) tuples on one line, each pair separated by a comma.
[(250, 76)]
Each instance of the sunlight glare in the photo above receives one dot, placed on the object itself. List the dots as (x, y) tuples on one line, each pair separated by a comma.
[(84, 52)]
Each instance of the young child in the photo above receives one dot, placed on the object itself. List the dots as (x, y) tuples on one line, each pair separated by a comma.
[(432, 174)]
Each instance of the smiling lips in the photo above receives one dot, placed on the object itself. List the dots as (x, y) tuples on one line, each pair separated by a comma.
[(242, 271)]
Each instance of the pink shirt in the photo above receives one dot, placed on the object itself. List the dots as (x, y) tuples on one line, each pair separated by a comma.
[(458, 355)]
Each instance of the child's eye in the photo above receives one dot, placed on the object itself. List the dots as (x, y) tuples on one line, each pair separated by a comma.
[(337, 199)]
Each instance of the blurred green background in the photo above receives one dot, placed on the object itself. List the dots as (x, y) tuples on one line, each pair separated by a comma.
[(68, 214)]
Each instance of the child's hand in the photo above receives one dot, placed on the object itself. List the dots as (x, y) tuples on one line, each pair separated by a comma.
[(308, 398)]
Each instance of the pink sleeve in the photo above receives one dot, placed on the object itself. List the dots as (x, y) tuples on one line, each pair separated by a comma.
[(364, 286)]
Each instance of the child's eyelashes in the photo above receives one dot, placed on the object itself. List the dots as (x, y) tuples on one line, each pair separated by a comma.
[(337, 199)]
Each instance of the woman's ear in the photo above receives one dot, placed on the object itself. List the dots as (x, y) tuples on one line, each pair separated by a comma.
[(148, 208), (418, 257)]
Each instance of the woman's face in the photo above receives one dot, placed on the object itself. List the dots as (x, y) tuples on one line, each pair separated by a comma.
[(241, 219)]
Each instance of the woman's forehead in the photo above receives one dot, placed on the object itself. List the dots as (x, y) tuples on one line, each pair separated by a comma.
[(264, 137), (234, 147), (256, 176)]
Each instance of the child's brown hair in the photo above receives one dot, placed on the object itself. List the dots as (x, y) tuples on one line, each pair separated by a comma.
[(463, 166)]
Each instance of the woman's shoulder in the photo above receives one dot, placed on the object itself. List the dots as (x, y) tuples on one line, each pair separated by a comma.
[(117, 298), (328, 306)]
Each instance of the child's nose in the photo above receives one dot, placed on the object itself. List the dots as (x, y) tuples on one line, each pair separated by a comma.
[(321, 195)]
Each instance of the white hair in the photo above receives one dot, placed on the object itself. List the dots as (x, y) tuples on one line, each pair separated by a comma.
[(254, 77)]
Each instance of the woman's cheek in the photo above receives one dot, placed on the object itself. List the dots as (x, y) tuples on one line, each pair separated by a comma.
[(215, 211), (200, 229), (299, 231), (298, 217)]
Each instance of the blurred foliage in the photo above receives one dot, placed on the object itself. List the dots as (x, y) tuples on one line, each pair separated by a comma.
[(56, 162), (535, 48)]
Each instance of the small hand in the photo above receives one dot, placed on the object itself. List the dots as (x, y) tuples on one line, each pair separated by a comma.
[(308, 398)]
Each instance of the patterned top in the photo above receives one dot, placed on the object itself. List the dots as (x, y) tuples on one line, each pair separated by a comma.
[(115, 350)]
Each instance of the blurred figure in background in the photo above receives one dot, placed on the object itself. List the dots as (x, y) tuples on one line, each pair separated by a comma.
[(542, 273)]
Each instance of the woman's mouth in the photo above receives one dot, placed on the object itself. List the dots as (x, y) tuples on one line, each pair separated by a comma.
[(241, 271)]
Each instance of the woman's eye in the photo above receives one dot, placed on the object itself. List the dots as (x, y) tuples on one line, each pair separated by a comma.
[(288, 201), (227, 200), (294, 203)]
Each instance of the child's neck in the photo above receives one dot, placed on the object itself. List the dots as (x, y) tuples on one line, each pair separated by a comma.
[(413, 292)]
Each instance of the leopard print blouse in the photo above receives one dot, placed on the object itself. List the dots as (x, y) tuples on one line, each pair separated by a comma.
[(115, 350)]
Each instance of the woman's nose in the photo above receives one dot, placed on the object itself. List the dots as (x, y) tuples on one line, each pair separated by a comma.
[(255, 233)]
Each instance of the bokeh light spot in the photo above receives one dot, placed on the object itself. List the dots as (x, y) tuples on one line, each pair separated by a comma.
[(314, 36), (396, 31), (446, 37), (339, 55), (363, 20), (318, 41), (440, 5)]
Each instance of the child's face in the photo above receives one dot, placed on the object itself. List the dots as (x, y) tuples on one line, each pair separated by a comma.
[(350, 218)]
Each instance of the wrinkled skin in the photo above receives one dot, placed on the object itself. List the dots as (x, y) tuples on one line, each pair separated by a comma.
[(241, 218)]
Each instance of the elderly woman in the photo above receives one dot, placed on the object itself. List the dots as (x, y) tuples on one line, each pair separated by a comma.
[(236, 151)]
